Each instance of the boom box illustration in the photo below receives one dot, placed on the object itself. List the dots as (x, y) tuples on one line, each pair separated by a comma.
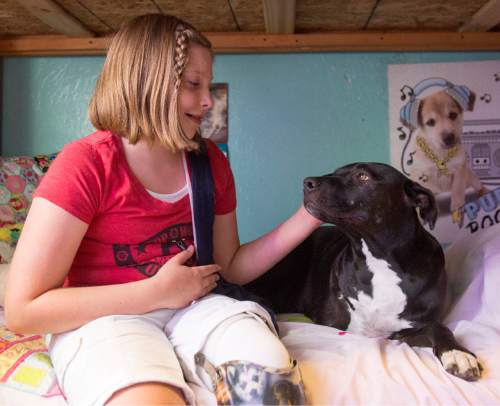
[(483, 150)]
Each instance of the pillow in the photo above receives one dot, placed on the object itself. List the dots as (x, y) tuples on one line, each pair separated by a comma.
[(19, 176), (25, 364), (472, 265), (24, 360), (3, 279)]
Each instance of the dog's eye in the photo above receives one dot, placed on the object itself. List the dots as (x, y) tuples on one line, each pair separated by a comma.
[(431, 122), (453, 115)]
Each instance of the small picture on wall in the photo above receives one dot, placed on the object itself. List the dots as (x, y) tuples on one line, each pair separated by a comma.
[(214, 125)]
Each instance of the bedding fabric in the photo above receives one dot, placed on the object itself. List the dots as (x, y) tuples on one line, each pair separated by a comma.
[(343, 368)]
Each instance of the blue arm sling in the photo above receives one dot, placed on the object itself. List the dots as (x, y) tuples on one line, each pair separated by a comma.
[(202, 185)]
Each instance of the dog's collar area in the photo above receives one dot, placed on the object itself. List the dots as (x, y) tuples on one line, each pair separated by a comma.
[(440, 163)]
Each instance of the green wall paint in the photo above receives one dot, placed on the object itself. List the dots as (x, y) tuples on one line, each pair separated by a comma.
[(290, 116)]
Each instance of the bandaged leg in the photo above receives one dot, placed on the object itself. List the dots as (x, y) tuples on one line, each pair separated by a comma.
[(246, 383), (245, 337), (246, 363)]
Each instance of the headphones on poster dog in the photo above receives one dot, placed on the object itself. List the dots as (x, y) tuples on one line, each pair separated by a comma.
[(409, 112)]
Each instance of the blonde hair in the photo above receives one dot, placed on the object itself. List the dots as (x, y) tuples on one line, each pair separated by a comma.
[(136, 94)]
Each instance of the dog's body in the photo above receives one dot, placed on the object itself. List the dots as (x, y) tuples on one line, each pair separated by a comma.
[(440, 162), (378, 272)]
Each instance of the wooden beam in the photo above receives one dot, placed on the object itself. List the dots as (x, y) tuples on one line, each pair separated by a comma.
[(56, 17), (279, 16), (485, 19), (363, 41)]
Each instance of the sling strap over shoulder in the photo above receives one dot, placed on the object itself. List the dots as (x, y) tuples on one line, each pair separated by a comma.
[(202, 185)]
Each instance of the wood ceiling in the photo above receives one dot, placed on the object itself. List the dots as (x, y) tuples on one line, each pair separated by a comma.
[(33, 27)]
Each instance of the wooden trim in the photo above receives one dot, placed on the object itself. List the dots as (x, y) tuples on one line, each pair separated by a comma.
[(486, 18), (56, 17), (50, 45), (279, 16), (365, 41)]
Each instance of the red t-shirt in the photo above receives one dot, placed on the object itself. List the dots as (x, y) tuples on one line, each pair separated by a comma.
[(131, 234)]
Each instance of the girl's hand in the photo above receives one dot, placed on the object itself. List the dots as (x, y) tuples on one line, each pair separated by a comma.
[(177, 285)]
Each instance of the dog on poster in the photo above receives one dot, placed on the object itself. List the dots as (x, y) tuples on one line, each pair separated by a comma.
[(440, 162)]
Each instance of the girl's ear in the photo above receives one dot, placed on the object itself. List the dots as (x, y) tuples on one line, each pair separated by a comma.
[(423, 199)]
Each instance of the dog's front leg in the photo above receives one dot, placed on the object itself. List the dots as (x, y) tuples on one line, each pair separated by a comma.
[(458, 186), (474, 181), (456, 359)]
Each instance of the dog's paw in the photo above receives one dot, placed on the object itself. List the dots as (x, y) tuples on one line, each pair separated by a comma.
[(457, 217), (461, 364)]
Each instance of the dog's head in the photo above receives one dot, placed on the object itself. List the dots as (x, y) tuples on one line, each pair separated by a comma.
[(440, 120), (367, 197)]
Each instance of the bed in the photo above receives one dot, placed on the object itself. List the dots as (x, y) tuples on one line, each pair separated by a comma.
[(343, 368), (337, 367)]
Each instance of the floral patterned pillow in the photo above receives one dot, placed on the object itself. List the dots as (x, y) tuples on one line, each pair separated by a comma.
[(19, 176)]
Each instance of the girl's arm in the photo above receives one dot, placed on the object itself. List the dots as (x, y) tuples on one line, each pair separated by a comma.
[(36, 302), (243, 264)]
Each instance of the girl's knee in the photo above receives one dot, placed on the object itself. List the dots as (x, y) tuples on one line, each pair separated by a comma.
[(245, 338)]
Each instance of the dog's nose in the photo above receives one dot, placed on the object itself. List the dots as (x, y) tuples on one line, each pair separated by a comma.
[(311, 183), (449, 139)]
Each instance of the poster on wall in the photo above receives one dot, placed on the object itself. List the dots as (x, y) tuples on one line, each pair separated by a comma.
[(444, 129), (214, 124)]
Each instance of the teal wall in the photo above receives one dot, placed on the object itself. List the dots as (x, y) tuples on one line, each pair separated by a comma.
[(290, 116)]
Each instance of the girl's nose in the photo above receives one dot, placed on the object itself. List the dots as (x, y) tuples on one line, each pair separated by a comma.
[(207, 101)]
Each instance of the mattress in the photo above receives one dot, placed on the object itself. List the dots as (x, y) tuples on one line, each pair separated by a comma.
[(343, 368)]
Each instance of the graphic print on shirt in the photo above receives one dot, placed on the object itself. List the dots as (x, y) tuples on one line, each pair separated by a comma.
[(149, 256)]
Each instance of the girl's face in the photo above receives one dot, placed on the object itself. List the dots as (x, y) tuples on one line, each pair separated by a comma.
[(194, 93)]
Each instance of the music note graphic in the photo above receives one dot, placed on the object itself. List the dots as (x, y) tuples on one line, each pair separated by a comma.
[(409, 92), (402, 133), (410, 161), (486, 97)]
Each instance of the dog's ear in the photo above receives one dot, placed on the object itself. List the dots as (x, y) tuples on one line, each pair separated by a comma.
[(419, 196)]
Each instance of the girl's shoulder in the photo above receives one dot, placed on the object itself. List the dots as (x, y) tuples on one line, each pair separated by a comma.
[(98, 141), (214, 152), (100, 146)]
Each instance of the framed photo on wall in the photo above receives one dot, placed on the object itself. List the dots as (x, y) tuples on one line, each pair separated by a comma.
[(215, 124)]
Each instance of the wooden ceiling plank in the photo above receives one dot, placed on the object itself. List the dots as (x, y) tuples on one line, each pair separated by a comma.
[(332, 15), (56, 17), (206, 16), (485, 19), (279, 16), (423, 15), (359, 41)]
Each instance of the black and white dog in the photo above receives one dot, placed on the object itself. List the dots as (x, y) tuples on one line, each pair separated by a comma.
[(377, 272)]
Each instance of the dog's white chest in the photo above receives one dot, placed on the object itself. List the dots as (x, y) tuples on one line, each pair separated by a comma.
[(378, 316)]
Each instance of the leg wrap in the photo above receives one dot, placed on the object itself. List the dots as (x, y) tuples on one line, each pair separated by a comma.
[(246, 383)]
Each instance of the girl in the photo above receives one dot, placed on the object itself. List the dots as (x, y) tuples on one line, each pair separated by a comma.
[(101, 265)]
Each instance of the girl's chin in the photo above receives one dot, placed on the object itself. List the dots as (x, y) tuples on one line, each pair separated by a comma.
[(190, 132)]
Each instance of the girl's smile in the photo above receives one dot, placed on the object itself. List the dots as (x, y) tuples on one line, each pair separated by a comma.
[(194, 94)]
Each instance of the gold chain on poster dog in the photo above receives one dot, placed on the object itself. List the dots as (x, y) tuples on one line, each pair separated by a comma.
[(440, 163)]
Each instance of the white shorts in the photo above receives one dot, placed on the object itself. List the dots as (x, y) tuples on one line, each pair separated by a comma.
[(114, 352)]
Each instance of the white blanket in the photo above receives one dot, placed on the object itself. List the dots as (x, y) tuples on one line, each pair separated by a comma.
[(340, 368)]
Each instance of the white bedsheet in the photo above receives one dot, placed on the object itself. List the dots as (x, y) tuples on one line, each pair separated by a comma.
[(340, 368)]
